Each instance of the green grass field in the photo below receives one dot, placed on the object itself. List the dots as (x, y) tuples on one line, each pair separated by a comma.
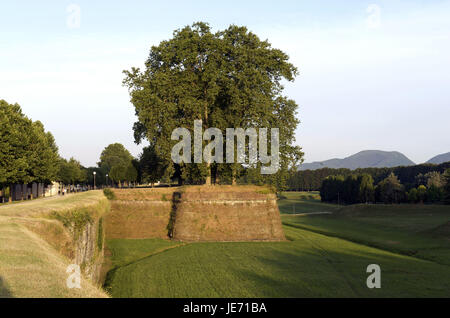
[(422, 231), (303, 202), (326, 256)]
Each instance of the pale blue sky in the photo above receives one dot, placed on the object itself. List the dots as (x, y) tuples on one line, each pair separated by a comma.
[(373, 74)]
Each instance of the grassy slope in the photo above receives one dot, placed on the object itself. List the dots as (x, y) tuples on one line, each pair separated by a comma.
[(29, 267), (124, 252), (303, 202), (406, 229), (45, 205), (310, 265)]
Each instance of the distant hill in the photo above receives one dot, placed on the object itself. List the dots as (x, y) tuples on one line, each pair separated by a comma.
[(440, 158), (363, 159)]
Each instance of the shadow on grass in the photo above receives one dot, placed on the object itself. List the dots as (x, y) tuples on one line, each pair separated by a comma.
[(4, 291), (342, 273), (292, 275)]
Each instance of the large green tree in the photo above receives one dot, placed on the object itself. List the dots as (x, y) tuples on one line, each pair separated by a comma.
[(15, 131), (118, 173), (114, 155), (71, 172), (390, 190), (227, 79), (43, 154), (151, 166), (27, 152)]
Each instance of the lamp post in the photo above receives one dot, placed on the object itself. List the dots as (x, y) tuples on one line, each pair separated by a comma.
[(94, 173), (107, 184)]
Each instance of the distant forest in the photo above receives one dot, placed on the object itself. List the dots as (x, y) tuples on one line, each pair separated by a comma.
[(311, 180)]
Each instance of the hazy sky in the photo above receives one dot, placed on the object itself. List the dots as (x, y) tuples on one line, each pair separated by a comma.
[(373, 74)]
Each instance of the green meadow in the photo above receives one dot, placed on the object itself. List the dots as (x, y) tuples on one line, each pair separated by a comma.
[(326, 255)]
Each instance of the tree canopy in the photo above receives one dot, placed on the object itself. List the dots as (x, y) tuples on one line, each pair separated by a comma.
[(390, 190), (227, 79), (118, 163), (71, 172), (114, 155), (27, 152)]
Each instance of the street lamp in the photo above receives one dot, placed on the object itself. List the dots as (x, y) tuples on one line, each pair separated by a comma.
[(107, 184), (94, 173)]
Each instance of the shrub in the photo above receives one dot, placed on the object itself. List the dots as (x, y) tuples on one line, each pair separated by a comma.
[(412, 195), (75, 219), (421, 193), (390, 190), (109, 194)]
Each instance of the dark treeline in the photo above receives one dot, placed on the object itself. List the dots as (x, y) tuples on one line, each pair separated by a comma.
[(432, 187), (349, 190), (311, 180)]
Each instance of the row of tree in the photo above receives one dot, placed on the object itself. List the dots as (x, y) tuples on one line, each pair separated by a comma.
[(349, 190), (433, 187), (148, 168), (27, 152), (311, 180)]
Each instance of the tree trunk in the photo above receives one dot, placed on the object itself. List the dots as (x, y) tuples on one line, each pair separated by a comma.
[(10, 199), (216, 177), (208, 176), (233, 177)]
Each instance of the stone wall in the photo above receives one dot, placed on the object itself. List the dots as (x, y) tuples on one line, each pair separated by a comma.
[(195, 213)]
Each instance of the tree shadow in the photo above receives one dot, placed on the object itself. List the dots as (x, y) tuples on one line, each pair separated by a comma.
[(4, 291)]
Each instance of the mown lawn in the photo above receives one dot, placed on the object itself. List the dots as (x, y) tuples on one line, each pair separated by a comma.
[(124, 252), (303, 202), (311, 265), (325, 256), (43, 206), (422, 231)]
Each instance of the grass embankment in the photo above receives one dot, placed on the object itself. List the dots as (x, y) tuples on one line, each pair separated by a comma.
[(309, 265), (422, 231), (303, 202), (36, 248), (44, 206)]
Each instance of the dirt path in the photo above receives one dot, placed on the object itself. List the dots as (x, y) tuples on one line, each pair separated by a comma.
[(48, 204), (25, 202)]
